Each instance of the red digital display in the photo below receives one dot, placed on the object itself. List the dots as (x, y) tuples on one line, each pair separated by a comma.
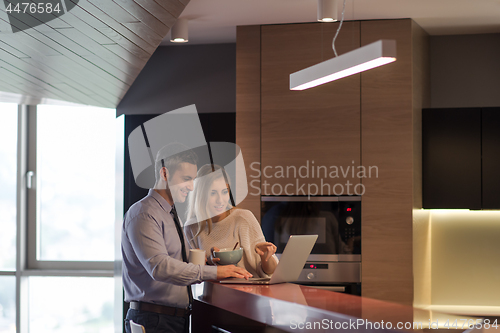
[(348, 209), (315, 266)]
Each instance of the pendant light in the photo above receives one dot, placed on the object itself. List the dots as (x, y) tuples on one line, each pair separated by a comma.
[(364, 58)]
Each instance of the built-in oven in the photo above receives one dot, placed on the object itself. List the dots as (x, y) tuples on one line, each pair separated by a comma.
[(335, 260)]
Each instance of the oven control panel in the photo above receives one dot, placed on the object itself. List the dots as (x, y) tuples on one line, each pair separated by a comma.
[(315, 266), (349, 232), (350, 227), (331, 272)]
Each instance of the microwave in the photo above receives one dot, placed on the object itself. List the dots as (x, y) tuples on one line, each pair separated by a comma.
[(335, 219)]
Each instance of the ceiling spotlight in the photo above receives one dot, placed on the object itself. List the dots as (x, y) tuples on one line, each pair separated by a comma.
[(179, 32), (327, 10)]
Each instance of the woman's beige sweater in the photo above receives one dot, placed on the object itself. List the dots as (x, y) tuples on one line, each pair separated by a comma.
[(239, 226)]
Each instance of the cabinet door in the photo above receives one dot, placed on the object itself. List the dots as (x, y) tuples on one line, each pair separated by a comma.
[(491, 157), (313, 135), (451, 172)]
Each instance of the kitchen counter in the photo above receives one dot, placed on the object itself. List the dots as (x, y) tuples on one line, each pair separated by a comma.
[(293, 308)]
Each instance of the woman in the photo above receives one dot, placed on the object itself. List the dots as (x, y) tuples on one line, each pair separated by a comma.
[(212, 223)]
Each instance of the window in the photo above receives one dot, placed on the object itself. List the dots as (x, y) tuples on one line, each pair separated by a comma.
[(89, 309), (8, 304), (8, 176), (64, 180), (75, 166)]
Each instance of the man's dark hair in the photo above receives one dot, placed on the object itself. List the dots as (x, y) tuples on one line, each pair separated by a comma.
[(171, 155)]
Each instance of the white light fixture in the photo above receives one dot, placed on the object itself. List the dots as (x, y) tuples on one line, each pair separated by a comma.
[(179, 32), (367, 57), (327, 10)]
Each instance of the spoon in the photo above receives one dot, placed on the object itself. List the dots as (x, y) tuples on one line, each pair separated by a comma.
[(235, 245)]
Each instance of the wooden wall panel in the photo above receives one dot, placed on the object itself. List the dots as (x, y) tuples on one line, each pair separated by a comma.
[(248, 110), (315, 127), (387, 142)]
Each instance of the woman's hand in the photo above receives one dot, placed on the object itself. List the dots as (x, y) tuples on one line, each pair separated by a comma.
[(265, 250), (212, 260)]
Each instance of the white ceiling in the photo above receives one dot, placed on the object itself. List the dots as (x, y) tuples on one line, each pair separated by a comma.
[(215, 21)]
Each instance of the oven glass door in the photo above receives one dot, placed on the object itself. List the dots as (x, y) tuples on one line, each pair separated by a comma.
[(280, 219), (335, 221)]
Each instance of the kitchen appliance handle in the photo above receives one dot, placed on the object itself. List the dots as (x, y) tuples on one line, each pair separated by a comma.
[(311, 199), (331, 288), (300, 199)]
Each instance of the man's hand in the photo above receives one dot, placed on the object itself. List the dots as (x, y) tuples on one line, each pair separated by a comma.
[(232, 271), (265, 250)]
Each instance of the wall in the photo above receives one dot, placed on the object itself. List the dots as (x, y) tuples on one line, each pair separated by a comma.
[(181, 75), (422, 258), (465, 251), (465, 71)]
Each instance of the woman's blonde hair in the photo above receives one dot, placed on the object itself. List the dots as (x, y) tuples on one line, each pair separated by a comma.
[(198, 199)]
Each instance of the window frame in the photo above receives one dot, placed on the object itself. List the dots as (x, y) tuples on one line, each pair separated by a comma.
[(27, 242)]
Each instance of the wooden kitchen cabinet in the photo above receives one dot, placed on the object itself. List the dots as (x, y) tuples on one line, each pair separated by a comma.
[(315, 127), (491, 158), (392, 97), (371, 119)]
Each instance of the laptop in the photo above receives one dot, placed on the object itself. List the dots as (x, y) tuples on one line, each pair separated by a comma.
[(291, 262)]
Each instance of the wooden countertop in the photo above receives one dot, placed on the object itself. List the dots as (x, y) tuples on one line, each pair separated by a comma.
[(294, 308)]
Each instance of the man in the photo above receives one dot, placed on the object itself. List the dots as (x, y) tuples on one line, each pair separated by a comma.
[(156, 277)]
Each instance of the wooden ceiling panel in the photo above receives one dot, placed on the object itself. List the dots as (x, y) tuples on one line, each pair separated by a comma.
[(162, 14), (145, 32), (174, 7), (110, 7), (117, 59), (63, 69), (111, 22), (127, 42), (14, 51), (23, 68), (31, 41), (144, 16), (112, 29), (89, 55), (126, 55)]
